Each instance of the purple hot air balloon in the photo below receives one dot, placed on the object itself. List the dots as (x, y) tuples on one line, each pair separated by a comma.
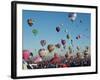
[(63, 42), (58, 29), (43, 42)]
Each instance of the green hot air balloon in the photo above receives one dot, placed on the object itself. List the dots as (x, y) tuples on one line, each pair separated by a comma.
[(35, 32), (68, 36)]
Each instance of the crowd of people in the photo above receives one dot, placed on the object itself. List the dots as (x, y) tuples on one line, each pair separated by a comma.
[(78, 59)]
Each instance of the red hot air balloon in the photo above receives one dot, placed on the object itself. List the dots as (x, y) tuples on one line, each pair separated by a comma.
[(56, 59), (26, 54)]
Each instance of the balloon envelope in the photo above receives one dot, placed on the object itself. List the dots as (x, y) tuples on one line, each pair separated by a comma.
[(58, 29), (51, 47), (72, 16), (35, 32), (43, 42), (42, 52), (68, 36), (26, 54), (30, 22), (58, 45), (63, 42)]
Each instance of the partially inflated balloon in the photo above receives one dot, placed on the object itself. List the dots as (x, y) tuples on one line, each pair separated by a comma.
[(43, 42), (26, 54), (37, 59), (56, 59), (35, 32)]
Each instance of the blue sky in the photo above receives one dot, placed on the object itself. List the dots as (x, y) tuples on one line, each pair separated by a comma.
[(46, 23)]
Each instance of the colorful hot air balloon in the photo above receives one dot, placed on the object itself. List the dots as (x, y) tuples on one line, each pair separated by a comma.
[(43, 42), (35, 32), (72, 16), (42, 52), (30, 22), (26, 54), (58, 29), (51, 47), (56, 59)]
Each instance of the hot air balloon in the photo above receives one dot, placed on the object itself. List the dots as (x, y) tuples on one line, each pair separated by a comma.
[(58, 45), (42, 52), (78, 48), (63, 42), (68, 36), (30, 22), (35, 32), (72, 16), (58, 29), (43, 42), (26, 54), (56, 59), (70, 49), (78, 37), (80, 21), (71, 42), (51, 47)]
